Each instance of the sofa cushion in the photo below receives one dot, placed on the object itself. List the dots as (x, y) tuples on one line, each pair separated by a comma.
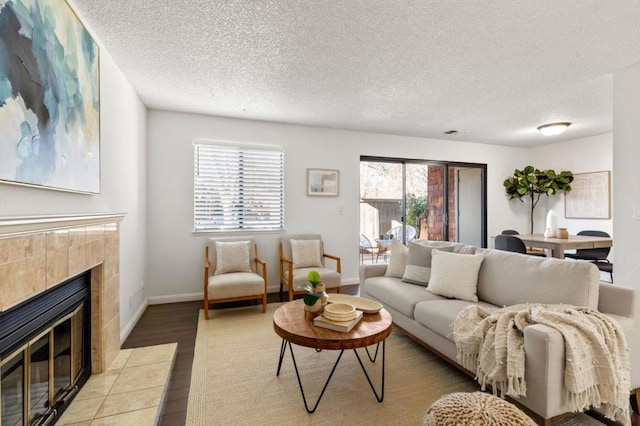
[(418, 269), (455, 275), (399, 295), (397, 259), (511, 278), (439, 315)]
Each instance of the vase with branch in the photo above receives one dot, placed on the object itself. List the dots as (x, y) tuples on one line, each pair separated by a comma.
[(531, 183)]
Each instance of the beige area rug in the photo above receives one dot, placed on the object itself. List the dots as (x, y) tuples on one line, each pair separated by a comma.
[(234, 379)]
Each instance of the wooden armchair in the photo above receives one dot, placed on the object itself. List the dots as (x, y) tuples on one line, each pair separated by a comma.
[(302, 253), (233, 272)]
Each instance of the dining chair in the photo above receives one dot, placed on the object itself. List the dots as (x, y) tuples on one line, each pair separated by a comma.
[(301, 253), (530, 250), (395, 232), (233, 272), (598, 256), (514, 244)]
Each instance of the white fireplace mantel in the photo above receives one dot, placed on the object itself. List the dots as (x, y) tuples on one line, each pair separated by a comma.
[(17, 226)]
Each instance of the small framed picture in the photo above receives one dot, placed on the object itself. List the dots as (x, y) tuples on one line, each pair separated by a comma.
[(323, 182)]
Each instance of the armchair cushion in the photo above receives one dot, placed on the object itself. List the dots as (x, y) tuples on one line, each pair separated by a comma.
[(235, 284), (232, 256), (328, 277), (306, 253)]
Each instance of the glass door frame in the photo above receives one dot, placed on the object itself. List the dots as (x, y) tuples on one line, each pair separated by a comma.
[(446, 211)]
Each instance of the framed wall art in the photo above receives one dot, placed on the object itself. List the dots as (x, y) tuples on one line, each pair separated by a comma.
[(323, 182), (590, 196), (49, 98)]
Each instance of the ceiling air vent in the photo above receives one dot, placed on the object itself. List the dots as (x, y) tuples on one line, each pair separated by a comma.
[(450, 132)]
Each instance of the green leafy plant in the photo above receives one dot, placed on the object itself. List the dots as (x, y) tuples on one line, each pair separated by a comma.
[(532, 183), (313, 294), (416, 211)]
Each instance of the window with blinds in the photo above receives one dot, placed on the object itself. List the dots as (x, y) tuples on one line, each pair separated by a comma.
[(238, 187)]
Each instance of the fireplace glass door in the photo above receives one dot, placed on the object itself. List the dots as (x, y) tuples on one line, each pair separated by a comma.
[(38, 373), (12, 390), (49, 365)]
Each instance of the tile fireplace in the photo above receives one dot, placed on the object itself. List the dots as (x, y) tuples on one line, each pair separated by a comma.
[(39, 257)]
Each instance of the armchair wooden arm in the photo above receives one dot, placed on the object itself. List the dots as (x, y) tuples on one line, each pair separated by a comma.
[(206, 282), (206, 275), (263, 269), (263, 265), (284, 280), (337, 259)]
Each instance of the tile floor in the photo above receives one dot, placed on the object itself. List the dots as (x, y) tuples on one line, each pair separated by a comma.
[(130, 392)]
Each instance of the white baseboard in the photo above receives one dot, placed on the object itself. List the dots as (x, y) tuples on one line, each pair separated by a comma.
[(175, 298), (132, 323), (188, 297)]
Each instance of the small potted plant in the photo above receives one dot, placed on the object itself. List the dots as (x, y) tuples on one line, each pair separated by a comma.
[(313, 300)]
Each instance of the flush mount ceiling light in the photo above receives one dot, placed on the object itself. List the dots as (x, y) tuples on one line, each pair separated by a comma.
[(552, 129)]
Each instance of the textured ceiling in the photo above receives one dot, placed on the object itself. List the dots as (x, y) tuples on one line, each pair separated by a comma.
[(493, 70)]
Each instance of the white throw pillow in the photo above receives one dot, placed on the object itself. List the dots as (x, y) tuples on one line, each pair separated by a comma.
[(232, 256), (418, 269), (305, 253), (397, 259), (455, 275)]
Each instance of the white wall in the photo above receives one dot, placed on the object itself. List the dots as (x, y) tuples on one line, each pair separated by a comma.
[(123, 165), (176, 255), (626, 188), (592, 154)]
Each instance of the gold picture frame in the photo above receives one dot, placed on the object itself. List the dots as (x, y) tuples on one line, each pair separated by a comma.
[(323, 182)]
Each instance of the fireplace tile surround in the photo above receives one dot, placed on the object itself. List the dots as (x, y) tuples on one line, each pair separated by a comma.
[(38, 253)]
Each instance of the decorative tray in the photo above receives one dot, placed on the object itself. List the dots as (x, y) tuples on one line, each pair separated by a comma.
[(367, 306)]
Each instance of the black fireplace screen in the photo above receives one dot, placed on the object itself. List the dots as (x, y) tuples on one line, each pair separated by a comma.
[(44, 353)]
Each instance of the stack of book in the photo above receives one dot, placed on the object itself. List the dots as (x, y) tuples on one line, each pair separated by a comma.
[(344, 326)]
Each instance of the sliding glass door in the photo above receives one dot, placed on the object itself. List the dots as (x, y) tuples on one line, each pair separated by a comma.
[(407, 199)]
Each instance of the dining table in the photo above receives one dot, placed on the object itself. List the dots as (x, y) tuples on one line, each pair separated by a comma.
[(557, 246), (383, 247)]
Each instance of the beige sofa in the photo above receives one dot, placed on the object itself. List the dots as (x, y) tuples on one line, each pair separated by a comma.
[(506, 279)]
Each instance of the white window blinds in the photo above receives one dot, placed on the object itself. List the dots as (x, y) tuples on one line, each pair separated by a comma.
[(238, 187)]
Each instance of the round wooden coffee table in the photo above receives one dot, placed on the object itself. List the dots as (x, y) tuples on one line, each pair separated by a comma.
[(289, 322)]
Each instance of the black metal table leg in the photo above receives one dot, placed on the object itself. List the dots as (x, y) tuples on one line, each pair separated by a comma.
[(283, 348), (379, 398), (364, 370), (304, 398), (375, 356)]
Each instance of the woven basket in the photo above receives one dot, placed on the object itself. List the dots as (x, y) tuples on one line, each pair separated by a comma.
[(474, 409)]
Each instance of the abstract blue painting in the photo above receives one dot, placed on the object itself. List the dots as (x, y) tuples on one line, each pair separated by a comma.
[(49, 97)]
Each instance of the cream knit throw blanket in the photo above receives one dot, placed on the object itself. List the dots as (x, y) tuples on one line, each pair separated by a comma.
[(490, 341)]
